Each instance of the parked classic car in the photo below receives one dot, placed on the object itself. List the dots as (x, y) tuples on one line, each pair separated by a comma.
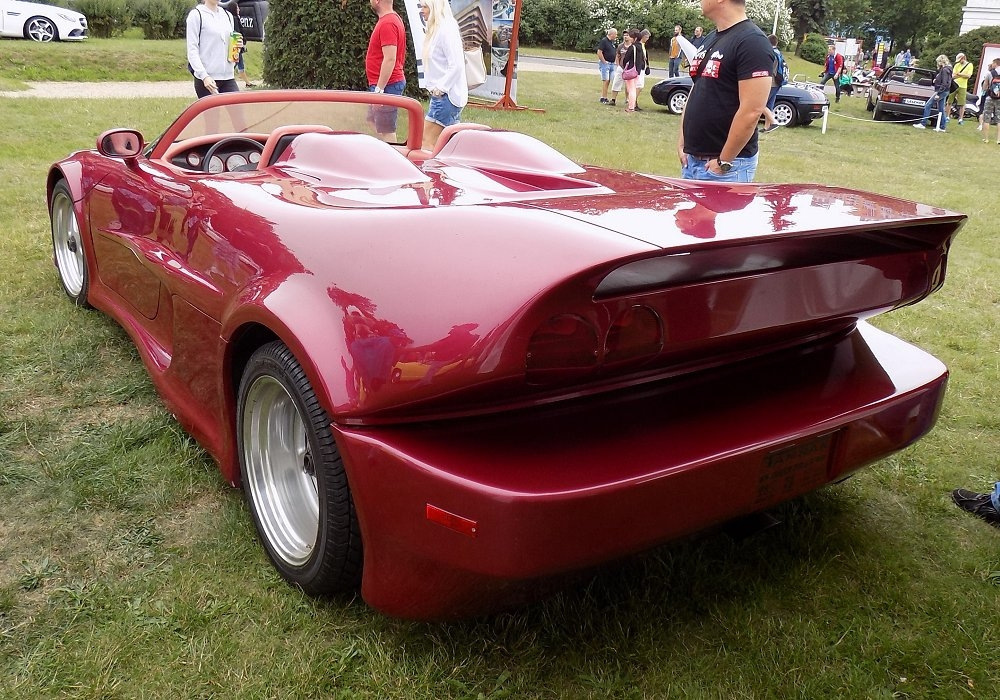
[(40, 22), (793, 105), (901, 91), (452, 374)]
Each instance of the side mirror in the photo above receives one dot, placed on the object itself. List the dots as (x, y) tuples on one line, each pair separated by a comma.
[(120, 143)]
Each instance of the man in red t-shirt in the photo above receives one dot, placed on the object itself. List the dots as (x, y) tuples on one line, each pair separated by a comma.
[(384, 64)]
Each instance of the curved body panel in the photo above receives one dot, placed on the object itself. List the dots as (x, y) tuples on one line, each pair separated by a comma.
[(501, 335)]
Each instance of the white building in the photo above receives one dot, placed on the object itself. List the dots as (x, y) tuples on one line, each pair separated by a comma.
[(980, 13)]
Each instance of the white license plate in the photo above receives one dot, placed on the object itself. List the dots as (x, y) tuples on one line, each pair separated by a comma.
[(914, 102)]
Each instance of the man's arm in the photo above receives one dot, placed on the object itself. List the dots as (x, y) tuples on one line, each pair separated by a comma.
[(388, 63), (753, 99)]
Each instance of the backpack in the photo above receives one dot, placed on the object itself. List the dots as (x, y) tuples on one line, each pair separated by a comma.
[(994, 90), (780, 73)]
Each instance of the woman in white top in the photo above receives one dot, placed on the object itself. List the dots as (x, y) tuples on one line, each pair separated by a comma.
[(208, 29), (444, 69)]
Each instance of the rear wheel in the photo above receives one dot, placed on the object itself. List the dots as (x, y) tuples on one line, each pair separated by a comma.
[(784, 114), (40, 29), (878, 114), (677, 101), (293, 476), (67, 245)]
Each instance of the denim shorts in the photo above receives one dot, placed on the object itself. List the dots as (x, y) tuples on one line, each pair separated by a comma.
[(607, 70), (385, 117), (743, 170), (442, 111)]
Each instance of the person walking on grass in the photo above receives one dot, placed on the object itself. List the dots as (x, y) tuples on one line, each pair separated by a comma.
[(633, 65), (832, 69), (208, 30), (607, 51), (939, 100), (962, 72), (991, 103)]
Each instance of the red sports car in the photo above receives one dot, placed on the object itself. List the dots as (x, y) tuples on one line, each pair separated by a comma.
[(450, 375)]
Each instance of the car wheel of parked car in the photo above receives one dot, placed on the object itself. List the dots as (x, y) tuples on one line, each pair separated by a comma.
[(70, 255), (784, 114), (677, 101), (869, 105), (878, 114), (40, 29), (293, 475)]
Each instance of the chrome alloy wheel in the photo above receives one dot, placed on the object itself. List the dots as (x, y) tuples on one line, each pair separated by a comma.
[(280, 471), (40, 29), (67, 244)]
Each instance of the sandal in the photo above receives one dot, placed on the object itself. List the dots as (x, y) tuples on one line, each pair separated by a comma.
[(250, 85)]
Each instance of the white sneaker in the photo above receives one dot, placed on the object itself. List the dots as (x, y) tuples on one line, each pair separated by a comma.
[(979, 128), (941, 131), (919, 126)]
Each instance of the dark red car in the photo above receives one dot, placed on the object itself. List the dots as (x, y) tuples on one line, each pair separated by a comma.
[(448, 375)]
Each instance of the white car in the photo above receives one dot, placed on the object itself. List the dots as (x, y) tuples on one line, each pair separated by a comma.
[(38, 22)]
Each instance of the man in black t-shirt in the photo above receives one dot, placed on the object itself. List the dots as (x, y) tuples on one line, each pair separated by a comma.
[(732, 78), (606, 51)]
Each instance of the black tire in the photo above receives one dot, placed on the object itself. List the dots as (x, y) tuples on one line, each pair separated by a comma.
[(293, 476), (869, 105), (41, 29), (879, 114), (68, 251)]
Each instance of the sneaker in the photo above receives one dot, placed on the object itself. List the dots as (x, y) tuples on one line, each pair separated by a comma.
[(604, 100), (638, 108), (979, 504), (979, 128), (919, 126), (960, 121), (611, 102), (941, 131), (771, 128)]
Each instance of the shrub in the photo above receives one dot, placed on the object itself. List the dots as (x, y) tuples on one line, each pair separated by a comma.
[(970, 43), (105, 18), (323, 45), (663, 16), (814, 49), (562, 24), (161, 19)]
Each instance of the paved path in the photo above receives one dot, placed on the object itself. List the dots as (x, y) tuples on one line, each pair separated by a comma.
[(184, 88)]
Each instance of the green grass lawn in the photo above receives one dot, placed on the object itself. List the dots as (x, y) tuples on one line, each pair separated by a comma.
[(129, 569)]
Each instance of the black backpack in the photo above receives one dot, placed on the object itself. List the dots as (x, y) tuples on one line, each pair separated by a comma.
[(994, 84)]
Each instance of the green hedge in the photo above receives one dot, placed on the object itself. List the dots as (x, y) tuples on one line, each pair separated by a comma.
[(814, 49), (105, 18), (971, 44), (162, 19)]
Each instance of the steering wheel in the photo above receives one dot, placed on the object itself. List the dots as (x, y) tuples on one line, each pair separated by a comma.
[(230, 143)]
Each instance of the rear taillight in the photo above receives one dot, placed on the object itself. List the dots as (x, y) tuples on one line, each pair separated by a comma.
[(564, 347), (567, 348), (636, 335)]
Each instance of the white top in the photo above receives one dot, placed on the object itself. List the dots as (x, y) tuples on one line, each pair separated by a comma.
[(208, 49), (444, 69)]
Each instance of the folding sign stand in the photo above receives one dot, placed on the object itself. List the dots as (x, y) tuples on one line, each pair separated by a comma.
[(506, 102)]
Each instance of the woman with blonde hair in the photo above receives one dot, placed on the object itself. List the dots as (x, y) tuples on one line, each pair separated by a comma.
[(942, 88), (444, 69)]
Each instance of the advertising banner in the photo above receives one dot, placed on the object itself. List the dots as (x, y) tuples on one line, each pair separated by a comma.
[(486, 25)]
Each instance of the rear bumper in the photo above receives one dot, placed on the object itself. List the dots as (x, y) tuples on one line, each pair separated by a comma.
[(561, 489)]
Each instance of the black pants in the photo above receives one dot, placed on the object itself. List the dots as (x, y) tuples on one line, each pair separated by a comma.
[(223, 85), (836, 83)]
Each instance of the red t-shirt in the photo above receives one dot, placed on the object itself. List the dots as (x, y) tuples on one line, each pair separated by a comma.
[(388, 31)]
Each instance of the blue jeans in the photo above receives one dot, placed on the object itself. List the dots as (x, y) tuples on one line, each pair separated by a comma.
[(385, 117), (675, 67), (941, 99), (995, 496), (743, 170), (607, 70)]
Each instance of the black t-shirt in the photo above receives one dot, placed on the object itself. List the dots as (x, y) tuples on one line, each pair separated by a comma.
[(607, 49), (738, 53)]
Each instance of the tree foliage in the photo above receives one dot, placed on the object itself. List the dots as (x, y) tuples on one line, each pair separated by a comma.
[(807, 16), (970, 43)]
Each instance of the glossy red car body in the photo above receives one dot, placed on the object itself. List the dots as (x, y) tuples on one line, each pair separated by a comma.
[(530, 367)]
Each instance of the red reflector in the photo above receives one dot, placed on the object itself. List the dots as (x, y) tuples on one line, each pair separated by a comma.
[(452, 521), (635, 334)]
